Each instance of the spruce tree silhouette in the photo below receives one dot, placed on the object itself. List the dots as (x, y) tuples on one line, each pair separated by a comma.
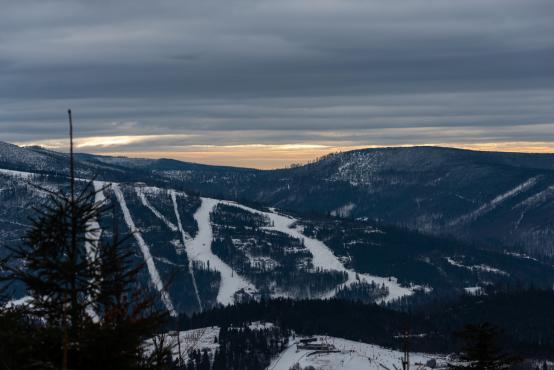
[(480, 350)]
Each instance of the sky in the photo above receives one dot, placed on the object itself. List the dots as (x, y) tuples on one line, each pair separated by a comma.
[(269, 83)]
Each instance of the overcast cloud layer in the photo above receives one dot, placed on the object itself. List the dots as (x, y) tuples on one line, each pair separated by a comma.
[(190, 76)]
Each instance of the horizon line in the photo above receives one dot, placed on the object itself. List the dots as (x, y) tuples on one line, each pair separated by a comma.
[(281, 156)]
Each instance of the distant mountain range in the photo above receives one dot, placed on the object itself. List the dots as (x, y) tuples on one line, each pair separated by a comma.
[(499, 200), (375, 225)]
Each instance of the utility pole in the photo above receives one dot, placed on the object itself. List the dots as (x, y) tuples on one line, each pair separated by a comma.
[(406, 349)]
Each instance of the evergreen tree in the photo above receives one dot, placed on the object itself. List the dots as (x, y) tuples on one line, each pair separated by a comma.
[(205, 361), (480, 349), (86, 309)]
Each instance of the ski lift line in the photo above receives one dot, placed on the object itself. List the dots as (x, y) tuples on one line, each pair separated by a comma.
[(153, 209), (183, 239), (145, 249)]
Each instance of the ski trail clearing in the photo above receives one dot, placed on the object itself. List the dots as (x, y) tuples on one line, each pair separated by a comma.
[(324, 258), (489, 206), (152, 270), (147, 204), (184, 240), (92, 237), (200, 249)]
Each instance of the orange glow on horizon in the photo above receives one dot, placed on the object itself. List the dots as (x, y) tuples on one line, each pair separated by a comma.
[(253, 155), (280, 156)]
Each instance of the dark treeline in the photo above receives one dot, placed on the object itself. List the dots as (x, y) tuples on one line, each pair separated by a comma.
[(340, 318), (523, 318), (242, 348)]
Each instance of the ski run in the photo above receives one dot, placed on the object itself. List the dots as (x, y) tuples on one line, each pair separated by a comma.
[(200, 249), (323, 257), (184, 240), (489, 206), (142, 196), (92, 237), (152, 270)]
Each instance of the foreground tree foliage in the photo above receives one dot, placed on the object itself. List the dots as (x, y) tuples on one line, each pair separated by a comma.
[(480, 349), (86, 309)]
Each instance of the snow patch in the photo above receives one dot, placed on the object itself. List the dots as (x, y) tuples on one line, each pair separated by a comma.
[(482, 267), (23, 301), (474, 290), (343, 211)]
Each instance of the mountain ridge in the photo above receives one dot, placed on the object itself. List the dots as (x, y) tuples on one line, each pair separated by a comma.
[(218, 250), (502, 200)]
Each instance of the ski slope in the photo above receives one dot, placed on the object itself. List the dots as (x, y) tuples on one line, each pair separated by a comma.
[(145, 249), (142, 196), (92, 237), (489, 206), (184, 240), (323, 257), (199, 249)]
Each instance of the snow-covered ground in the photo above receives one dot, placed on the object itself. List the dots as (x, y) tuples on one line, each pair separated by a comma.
[(187, 341), (352, 356), (23, 301), (322, 255), (19, 174), (474, 290), (199, 249)]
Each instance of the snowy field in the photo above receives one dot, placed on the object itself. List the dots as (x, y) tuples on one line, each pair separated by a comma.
[(352, 356)]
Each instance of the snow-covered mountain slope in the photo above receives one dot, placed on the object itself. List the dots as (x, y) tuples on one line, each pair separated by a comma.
[(217, 251), (499, 199), (152, 214)]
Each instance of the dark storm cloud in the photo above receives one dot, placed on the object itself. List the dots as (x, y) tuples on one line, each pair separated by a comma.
[(283, 71)]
